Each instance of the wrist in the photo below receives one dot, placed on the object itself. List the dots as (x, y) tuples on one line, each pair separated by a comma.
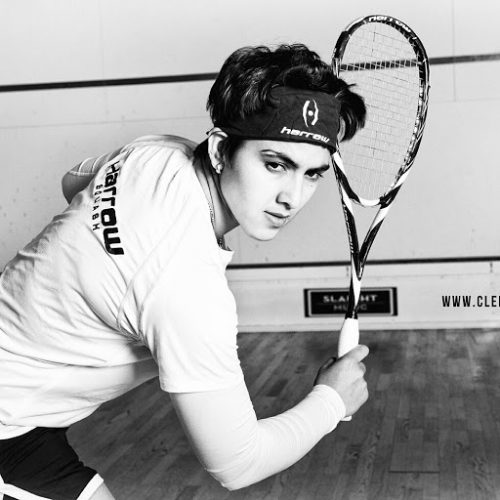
[(334, 402)]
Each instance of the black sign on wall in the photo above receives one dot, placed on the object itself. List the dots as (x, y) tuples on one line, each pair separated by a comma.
[(333, 301)]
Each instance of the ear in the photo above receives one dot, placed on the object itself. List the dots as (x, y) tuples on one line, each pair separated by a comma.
[(215, 138), (341, 132)]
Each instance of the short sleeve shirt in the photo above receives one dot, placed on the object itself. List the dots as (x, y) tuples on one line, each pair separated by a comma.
[(128, 283)]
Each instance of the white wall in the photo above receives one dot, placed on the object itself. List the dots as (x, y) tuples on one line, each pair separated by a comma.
[(272, 299), (44, 133)]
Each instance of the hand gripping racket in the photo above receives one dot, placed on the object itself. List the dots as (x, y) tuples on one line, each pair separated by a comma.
[(388, 64)]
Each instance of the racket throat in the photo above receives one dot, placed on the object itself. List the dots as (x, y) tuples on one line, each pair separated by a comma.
[(351, 315), (354, 291)]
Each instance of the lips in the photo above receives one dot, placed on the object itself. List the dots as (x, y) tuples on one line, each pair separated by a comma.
[(277, 219), (277, 214)]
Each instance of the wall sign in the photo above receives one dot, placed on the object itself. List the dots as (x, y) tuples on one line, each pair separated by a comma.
[(333, 301)]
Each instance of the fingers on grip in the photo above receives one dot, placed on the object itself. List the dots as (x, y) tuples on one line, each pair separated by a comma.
[(358, 353)]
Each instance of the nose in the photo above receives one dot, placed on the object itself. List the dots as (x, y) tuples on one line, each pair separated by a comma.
[(291, 193)]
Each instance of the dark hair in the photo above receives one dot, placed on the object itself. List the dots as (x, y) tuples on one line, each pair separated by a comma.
[(247, 76)]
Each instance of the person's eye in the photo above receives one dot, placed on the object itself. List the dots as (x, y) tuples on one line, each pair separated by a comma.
[(275, 166), (314, 175)]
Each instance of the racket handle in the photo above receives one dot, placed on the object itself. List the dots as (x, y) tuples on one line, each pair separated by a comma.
[(349, 336), (348, 339)]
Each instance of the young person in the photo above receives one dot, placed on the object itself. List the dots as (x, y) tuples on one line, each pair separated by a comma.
[(102, 299)]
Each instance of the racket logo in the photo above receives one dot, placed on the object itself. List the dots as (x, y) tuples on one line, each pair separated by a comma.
[(310, 113)]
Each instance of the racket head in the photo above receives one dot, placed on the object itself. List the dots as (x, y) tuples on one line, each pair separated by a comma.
[(389, 67)]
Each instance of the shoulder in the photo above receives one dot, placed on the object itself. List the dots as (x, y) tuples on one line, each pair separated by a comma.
[(165, 142), (156, 156)]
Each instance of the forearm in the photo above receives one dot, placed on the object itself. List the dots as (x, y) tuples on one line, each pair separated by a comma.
[(72, 184), (239, 450), (79, 177), (281, 441)]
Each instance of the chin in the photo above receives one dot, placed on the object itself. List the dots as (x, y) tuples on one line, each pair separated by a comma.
[(262, 234)]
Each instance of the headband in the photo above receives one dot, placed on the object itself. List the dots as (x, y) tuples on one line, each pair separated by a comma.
[(297, 115)]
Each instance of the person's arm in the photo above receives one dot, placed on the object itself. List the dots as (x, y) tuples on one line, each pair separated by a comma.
[(72, 183), (239, 450), (187, 318), (79, 177)]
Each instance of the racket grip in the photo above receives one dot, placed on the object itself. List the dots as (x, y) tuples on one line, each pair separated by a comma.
[(349, 336), (348, 339)]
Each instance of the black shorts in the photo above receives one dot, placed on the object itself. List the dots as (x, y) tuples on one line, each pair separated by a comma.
[(42, 465)]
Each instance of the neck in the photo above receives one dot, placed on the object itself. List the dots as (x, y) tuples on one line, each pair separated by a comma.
[(210, 183)]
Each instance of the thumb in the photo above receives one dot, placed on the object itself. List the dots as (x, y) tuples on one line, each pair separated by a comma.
[(358, 353)]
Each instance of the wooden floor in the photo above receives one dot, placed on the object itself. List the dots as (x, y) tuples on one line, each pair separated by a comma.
[(431, 429)]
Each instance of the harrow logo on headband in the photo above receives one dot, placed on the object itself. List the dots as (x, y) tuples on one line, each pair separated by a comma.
[(303, 133), (310, 113), (291, 114)]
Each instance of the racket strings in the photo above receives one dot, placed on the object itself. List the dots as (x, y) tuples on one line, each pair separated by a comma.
[(382, 64)]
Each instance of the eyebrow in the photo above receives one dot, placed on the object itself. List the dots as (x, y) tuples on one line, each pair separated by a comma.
[(285, 158)]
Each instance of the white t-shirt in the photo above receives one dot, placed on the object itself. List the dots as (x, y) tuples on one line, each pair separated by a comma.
[(127, 283)]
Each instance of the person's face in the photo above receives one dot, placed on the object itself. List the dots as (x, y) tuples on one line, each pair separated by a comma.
[(268, 182)]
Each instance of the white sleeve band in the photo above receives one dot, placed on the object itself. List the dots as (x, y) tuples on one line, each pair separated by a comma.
[(333, 400), (90, 166), (239, 450)]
